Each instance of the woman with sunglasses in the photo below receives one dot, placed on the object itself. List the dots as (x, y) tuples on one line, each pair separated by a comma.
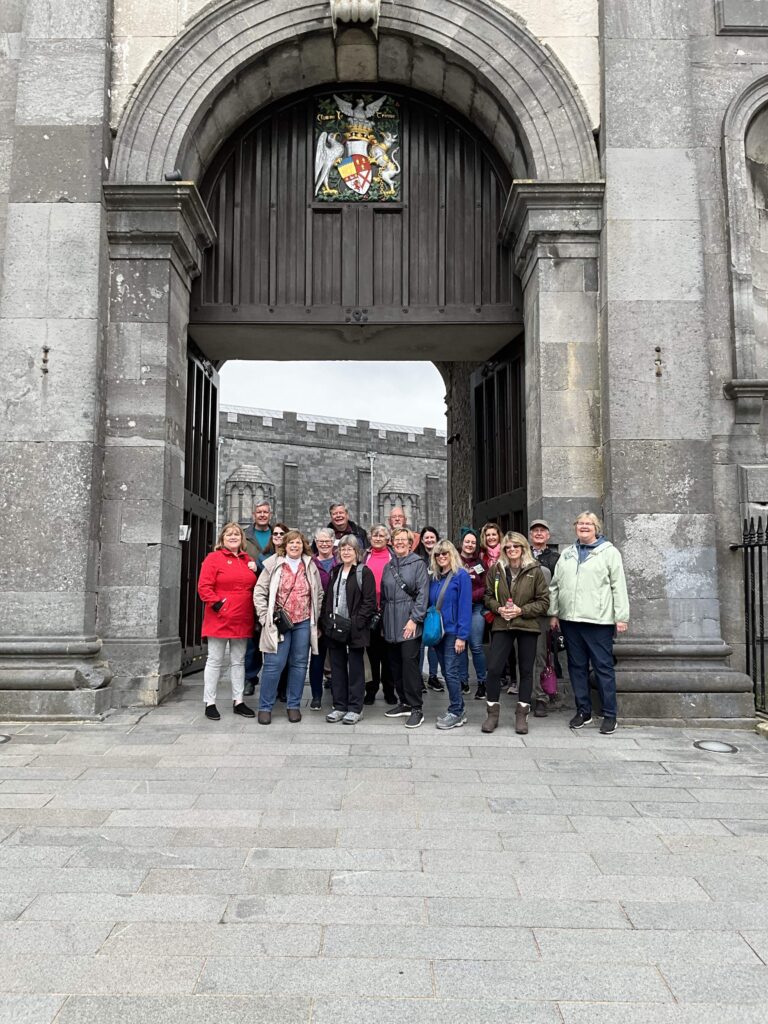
[(450, 584), (517, 594)]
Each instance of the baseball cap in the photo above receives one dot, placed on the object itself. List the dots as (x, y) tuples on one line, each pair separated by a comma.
[(539, 522)]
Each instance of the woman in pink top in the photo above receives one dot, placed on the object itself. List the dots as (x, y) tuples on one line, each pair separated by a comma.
[(490, 545), (376, 558)]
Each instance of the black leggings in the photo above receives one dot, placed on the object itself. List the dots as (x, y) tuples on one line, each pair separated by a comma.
[(502, 644)]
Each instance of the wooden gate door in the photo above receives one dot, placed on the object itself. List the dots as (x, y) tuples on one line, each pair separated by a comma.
[(200, 487), (498, 413)]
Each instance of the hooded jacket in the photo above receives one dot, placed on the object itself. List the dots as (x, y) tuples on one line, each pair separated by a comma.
[(396, 605), (529, 592), (589, 585)]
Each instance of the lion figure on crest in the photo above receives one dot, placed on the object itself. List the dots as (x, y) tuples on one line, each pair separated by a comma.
[(382, 154)]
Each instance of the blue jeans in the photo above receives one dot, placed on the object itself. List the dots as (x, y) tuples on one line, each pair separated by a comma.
[(587, 642), (451, 665), (476, 634), (293, 651), (432, 660), (253, 661)]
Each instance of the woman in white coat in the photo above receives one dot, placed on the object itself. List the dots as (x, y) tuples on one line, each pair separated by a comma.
[(287, 597)]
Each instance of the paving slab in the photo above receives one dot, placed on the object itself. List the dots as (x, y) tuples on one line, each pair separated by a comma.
[(189, 1010), (478, 1010), (88, 975), (29, 1009)]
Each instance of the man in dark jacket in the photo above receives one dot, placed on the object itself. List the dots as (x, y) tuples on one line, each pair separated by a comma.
[(257, 539), (342, 525), (539, 533)]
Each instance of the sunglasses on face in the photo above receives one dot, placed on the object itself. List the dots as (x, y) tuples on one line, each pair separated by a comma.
[(514, 547)]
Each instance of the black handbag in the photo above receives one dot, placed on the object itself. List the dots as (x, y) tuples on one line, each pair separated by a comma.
[(283, 621), (338, 628)]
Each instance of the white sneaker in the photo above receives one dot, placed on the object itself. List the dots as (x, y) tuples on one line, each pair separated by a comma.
[(334, 716), (352, 718)]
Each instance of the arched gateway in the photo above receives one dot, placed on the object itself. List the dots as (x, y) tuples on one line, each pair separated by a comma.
[(479, 249)]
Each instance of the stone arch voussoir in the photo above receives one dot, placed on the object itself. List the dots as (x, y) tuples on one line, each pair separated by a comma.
[(237, 57)]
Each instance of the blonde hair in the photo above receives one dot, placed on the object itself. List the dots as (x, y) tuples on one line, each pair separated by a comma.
[(526, 559), (592, 519), (401, 529), (225, 528), (484, 530), (441, 548)]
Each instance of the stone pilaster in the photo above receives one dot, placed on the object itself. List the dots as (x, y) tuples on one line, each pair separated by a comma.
[(555, 228), (659, 495), (53, 142), (156, 237)]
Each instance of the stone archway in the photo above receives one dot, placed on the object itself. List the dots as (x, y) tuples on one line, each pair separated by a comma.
[(234, 60), (242, 55)]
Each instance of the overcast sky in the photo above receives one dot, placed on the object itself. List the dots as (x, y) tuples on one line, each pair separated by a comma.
[(411, 394)]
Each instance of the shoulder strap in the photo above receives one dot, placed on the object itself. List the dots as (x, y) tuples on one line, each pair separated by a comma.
[(441, 595), (359, 577)]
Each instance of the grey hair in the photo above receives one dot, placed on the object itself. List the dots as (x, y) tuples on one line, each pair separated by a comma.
[(323, 531), (337, 504), (379, 528), (350, 541)]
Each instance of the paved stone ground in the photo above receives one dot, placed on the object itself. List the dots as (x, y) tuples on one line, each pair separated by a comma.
[(158, 867)]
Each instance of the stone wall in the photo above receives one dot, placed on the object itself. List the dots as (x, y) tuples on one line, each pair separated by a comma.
[(307, 461), (143, 28)]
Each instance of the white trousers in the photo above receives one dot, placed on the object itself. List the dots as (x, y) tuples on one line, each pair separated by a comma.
[(217, 647)]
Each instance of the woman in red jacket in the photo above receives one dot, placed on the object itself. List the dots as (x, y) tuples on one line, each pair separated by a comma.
[(227, 579)]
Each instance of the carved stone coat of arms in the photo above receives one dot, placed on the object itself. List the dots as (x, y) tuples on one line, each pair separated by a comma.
[(357, 149)]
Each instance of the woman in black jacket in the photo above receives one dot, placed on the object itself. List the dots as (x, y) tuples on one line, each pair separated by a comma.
[(348, 607)]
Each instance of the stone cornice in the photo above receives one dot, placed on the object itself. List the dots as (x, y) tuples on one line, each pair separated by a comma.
[(550, 211), (753, 388), (146, 220)]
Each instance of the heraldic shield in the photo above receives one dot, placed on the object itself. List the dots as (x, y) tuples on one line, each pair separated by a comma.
[(356, 149)]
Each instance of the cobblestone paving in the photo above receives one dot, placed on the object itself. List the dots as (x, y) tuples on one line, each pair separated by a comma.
[(161, 868)]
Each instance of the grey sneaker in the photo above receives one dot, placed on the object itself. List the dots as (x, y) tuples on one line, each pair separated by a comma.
[(352, 718), (451, 721), (334, 716)]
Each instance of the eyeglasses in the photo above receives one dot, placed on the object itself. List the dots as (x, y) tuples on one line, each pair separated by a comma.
[(511, 547), (443, 554), (278, 533)]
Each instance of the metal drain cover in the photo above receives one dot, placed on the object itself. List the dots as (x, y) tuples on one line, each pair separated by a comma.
[(716, 746)]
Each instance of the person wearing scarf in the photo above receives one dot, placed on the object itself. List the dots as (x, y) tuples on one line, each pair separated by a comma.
[(589, 602)]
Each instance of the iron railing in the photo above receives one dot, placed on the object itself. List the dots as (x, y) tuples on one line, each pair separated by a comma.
[(754, 549)]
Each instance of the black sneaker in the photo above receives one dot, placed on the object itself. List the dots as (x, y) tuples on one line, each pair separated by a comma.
[(369, 698), (465, 687), (480, 691), (608, 726), (244, 710), (397, 711), (434, 684), (212, 712), (315, 704), (579, 720), (414, 719)]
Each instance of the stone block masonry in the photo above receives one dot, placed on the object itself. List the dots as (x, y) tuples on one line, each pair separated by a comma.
[(302, 462)]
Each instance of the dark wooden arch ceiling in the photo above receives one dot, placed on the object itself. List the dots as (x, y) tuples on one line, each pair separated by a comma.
[(281, 258)]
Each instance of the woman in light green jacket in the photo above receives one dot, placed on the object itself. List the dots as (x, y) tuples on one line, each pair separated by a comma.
[(588, 601)]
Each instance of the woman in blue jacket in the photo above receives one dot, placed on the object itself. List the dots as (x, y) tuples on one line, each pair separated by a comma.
[(450, 584)]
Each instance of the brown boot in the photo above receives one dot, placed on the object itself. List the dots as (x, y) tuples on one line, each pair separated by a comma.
[(493, 717), (540, 708), (521, 718)]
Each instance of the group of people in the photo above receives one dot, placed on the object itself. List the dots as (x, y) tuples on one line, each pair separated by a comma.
[(284, 605)]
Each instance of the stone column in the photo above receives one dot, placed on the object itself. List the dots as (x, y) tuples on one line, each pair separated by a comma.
[(659, 499), (157, 234), (53, 141), (555, 228)]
